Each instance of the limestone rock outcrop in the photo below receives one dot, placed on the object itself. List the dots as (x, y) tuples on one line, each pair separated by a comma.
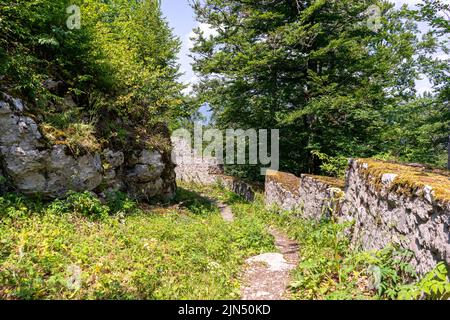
[(35, 168)]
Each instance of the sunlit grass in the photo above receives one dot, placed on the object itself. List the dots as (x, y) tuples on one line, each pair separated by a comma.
[(180, 252)]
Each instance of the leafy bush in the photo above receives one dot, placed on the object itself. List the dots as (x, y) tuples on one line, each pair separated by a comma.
[(394, 270), (85, 204), (434, 286), (120, 66), (328, 269), (37, 46), (136, 53), (332, 166), (13, 206), (120, 204)]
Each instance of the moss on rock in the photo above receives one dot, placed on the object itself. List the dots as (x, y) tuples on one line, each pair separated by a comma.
[(330, 181), (410, 179), (289, 181)]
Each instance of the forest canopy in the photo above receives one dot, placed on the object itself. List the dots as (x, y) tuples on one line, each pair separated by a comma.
[(337, 81), (335, 86)]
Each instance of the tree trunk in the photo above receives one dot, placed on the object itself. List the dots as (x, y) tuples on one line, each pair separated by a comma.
[(448, 151)]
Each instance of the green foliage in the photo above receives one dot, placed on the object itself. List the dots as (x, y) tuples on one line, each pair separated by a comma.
[(12, 206), (62, 120), (418, 129), (185, 251), (312, 69), (120, 66), (120, 204), (332, 166), (85, 204), (434, 286), (35, 42), (140, 51), (394, 270), (325, 272)]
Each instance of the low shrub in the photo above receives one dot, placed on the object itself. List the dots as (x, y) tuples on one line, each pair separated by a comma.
[(85, 204), (434, 286)]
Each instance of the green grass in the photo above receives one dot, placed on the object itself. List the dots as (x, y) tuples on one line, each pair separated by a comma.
[(330, 269), (178, 252), (81, 248)]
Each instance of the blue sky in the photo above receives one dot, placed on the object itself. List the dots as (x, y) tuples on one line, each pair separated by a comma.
[(181, 18)]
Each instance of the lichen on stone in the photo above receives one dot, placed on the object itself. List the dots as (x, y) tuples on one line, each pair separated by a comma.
[(410, 179), (289, 181), (330, 181)]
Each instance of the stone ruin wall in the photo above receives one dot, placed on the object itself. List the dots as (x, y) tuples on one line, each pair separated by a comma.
[(382, 216), (281, 191), (192, 168), (414, 221), (309, 196)]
